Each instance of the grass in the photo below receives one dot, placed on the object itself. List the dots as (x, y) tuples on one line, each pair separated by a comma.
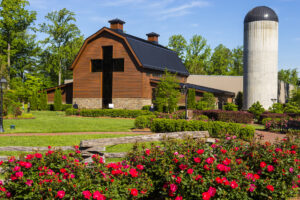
[(55, 122)]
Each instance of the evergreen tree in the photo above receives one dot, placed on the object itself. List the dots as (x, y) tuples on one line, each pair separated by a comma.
[(43, 101), (239, 100), (34, 101), (57, 100), (191, 99), (167, 94), (210, 99)]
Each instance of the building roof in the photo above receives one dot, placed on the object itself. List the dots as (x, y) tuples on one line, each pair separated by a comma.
[(261, 13), (155, 56), (202, 88)]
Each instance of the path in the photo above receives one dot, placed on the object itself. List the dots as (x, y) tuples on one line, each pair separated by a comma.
[(269, 136)]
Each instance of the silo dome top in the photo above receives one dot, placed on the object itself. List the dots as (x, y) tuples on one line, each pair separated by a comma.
[(261, 13)]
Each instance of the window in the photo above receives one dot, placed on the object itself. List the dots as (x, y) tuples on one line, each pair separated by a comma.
[(97, 65), (118, 65)]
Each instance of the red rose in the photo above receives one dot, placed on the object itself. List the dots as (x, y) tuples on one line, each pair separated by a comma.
[(133, 172), (178, 198), (98, 196), (61, 194), (147, 152), (263, 165), (210, 160), (200, 151), (219, 180), (270, 168), (205, 196), (140, 167), (223, 151), (178, 180), (270, 187), (134, 192), (190, 171), (197, 160), (233, 184), (206, 167), (87, 194)]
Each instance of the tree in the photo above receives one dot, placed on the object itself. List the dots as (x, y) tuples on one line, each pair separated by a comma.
[(221, 60), (178, 44), (197, 55), (34, 101), (239, 100), (14, 20), (296, 96), (289, 76), (191, 99), (256, 109), (167, 93), (237, 62), (57, 100), (63, 41), (43, 101), (210, 99)]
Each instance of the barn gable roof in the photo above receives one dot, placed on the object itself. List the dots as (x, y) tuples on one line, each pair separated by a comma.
[(148, 54)]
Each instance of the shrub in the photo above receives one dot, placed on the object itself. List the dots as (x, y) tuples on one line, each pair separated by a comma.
[(202, 117), (215, 128), (226, 116), (229, 169), (276, 124), (271, 116), (34, 101), (66, 106), (291, 107), (207, 102), (43, 101), (191, 99), (230, 107), (26, 116), (57, 100), (256, 109), (50, 107), (72, 111), (143, 121), (239, 100), (202, 105), (276, 108), (113, 113), (147, 107), (176, 115)]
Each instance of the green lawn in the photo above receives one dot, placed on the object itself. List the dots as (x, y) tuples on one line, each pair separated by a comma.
[(55, 122)]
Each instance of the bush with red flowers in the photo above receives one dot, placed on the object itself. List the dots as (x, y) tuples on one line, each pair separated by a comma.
[(229, 169)]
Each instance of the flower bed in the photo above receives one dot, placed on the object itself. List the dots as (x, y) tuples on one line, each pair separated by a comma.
[(215, 128), (226, 116), (188, 169)]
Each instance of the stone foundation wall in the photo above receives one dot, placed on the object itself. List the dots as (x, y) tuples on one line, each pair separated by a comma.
[(88, 102), (131, 103)]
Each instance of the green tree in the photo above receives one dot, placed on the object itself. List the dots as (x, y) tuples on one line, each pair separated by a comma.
[(57, 100), (197, 55), (221, 60), (231, 107), (63, 41), (296, 96), (191, 99), (43, 101), (34, 101), (15, 19), (239, 100), (207, 102), (178, 44), (256, 109), (237, 62), (167, 93), (289, 76)]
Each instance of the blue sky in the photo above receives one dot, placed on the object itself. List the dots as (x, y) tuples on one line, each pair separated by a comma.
[(219, 21)]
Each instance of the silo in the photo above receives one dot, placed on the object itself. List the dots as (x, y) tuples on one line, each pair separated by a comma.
[(260, 57)]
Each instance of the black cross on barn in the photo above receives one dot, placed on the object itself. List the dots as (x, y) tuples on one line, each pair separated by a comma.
[(107, 66)]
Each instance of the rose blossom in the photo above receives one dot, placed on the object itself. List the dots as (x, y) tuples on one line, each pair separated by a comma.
[(291, 170), (233, 184), (252, 187), (61, 194), (173, 187), (210, 160), (134, 192), (270, 168), (98, 196), (200, 151), (212, 191), (197, 160), (205, 196), (263, 165), (270, 187), (178, 198), (190, 171), (29, 182), (87, 194)]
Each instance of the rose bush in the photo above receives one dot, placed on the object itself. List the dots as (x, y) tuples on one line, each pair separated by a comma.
[(178, 169)]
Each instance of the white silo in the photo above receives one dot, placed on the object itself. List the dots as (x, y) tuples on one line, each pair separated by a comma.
[(260, 57)]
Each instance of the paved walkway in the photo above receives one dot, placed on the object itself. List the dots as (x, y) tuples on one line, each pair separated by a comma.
[(74, 133), (269, 136)]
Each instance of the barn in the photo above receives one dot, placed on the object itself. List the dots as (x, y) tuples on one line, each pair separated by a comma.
[(115, 68)]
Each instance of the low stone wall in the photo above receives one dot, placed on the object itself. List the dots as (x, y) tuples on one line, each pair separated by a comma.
[(130, 103), (88, 102)]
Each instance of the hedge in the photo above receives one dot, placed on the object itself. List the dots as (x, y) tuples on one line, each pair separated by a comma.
[(272, 116), (226, 116), (72, 111), (144, 121), (113, 113), (215, 128)]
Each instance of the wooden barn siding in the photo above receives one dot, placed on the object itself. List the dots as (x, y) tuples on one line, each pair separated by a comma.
[(127, 84)]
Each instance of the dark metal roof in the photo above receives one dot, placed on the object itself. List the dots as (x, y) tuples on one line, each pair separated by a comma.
[(152, 34), (155, 56), (261, 13), (116, 21)]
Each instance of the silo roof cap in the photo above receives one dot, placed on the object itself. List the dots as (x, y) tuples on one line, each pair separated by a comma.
[(261, 13)]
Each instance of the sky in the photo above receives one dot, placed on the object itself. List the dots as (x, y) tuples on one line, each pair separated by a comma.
[(219, 21)]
